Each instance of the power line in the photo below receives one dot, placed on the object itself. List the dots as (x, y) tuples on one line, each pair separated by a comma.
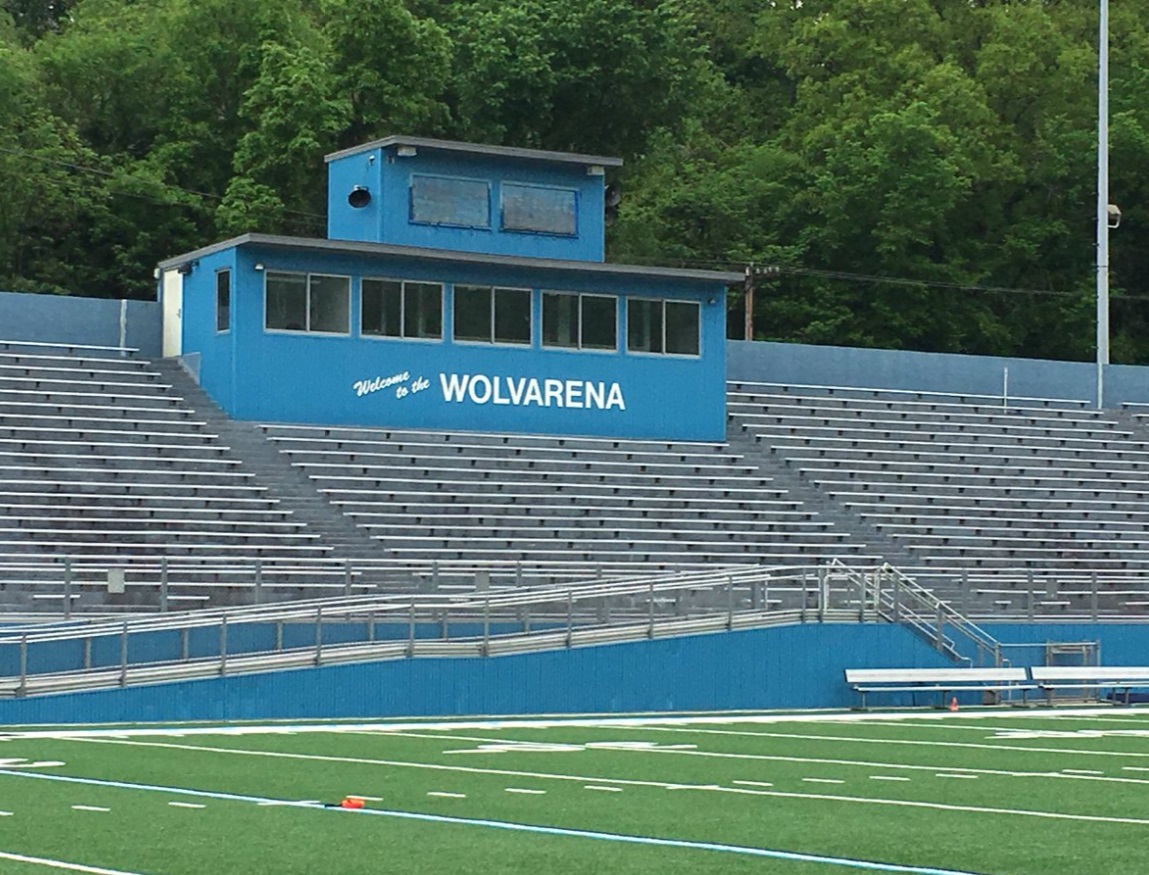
[(775, 271)]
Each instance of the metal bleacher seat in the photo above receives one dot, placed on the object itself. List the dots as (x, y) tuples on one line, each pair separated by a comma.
[(534, 499), (104, 465), (964, 482)]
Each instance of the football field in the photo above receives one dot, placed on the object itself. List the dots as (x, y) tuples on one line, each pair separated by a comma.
[(999, 793)]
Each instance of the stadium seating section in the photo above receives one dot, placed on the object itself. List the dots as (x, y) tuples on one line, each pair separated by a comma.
[(110, 463)]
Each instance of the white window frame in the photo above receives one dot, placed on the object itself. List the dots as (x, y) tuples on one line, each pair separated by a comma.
[(579, 347), (307, 275), (402, 335)]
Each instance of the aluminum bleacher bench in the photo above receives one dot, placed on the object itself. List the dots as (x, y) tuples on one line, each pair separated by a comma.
[(943, 681), (1051, 678)]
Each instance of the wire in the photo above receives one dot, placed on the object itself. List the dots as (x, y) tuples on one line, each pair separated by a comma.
[(846, 276)]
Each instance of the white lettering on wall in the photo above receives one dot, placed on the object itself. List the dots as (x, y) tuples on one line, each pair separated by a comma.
[(366, 387), (525, 392)]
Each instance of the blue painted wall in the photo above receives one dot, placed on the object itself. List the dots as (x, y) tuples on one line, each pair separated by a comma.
[(310, 378), (1121, 644), (801, 364), (386, 219), (82, 321), (789, 667), (218, 350)]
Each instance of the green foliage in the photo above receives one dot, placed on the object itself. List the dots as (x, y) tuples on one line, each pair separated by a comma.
[(391, 65), (901, 160)]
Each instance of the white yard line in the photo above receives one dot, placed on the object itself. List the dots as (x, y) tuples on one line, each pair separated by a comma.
[(887, 778), (821, 797), (850, 739), (443, 795), (621, 838), (823, 781), (752, 783), (90, 808), (952, 775), (178, 730), (186, 805), (633, 782), (60, 864), (507, 745), (522, 774), (526, 791), (604, 789)]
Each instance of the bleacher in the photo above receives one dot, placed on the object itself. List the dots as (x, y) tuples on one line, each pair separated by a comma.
[(1036, 506), (539, 500), (102, 465), (1001, 494)]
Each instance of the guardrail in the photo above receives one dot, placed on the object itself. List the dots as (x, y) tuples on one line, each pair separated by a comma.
[(36, 659), (67, 586), (900, 599)]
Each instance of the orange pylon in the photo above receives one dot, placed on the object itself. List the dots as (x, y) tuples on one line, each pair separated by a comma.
[(954, 703)]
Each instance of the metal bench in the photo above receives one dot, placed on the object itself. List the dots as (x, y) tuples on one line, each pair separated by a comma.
[(943, 681), (1051, 678)]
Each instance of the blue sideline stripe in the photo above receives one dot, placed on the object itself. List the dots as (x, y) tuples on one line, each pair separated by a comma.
[(506, 825)]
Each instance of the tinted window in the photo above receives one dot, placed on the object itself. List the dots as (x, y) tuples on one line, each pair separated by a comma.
[(445, 200), (644, 325), (540, 209), (223, 300)]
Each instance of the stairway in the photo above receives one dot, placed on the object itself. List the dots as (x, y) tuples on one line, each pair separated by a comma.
[(287, 483)]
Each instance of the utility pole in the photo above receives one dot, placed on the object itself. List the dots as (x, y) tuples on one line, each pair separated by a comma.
[(1102, 201), (749, 298), (752, 273)]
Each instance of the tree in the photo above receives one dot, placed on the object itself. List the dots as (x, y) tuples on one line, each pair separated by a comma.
[(390, 65), (598, 76)]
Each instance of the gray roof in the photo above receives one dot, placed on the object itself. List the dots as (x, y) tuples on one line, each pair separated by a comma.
[(477, 149), (355, 247)]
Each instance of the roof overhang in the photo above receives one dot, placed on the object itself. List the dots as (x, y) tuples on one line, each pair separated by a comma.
[(477, 149), (450, 256)]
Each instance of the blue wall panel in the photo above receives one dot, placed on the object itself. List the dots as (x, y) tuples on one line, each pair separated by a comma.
[(802, 364), (1121, 644), (82, 321), (297, 377), (387, 218), (791, 667), (217, 349)]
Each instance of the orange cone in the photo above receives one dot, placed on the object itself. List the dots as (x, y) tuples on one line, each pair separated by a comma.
[(954, 703), (351, 802)]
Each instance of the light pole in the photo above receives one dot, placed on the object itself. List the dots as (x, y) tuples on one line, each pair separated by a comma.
[(1102, 201)]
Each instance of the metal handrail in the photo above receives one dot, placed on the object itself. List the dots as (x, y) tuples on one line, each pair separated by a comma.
[(933, 618), (475, 623), (659, 584)]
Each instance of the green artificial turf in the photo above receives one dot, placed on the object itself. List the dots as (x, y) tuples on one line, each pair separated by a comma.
[(1072, 795)]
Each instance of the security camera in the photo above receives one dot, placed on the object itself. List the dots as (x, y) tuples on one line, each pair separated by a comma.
[(1114, 216)]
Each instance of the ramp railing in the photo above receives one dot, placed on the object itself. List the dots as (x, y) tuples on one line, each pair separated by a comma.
[(898, 598), (152, 648)]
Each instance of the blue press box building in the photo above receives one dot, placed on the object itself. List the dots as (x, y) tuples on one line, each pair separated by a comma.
[(460, 287)]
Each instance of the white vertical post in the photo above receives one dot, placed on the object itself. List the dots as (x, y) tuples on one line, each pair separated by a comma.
[(1102, 201)]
